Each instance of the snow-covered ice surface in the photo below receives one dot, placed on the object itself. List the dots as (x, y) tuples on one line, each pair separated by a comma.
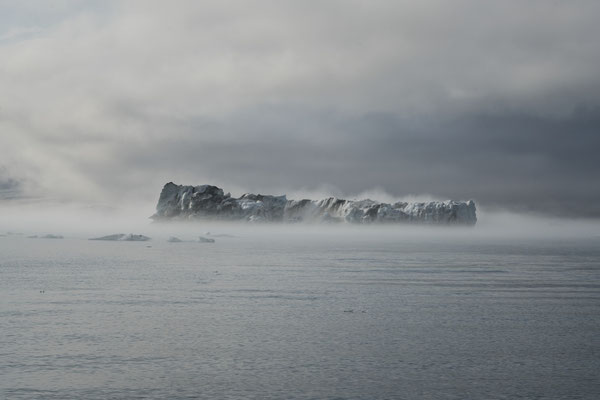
[(178, 202)]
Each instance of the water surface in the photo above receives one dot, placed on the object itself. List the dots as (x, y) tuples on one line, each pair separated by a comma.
[(297, 316)]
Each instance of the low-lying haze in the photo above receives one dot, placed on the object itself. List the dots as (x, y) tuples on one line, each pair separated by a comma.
[(84, 222)]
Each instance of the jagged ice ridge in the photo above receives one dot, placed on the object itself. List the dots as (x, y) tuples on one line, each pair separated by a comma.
[(179, 202)]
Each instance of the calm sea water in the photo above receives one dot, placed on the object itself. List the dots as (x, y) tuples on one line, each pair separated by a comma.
[(297, 316)]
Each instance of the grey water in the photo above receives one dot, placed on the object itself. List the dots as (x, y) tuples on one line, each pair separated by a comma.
[(290, 315)]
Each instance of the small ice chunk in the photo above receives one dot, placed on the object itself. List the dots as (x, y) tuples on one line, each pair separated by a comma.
[(48, 236), (51, 236), (123, 237)]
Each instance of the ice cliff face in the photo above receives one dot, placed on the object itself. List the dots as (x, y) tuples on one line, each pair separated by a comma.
[(178, 202)]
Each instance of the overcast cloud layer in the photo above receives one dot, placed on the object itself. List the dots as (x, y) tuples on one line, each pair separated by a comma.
[(498, 101)]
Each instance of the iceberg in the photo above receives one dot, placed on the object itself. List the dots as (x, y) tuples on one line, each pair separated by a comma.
[(124, 238), (207, 202), (48, 236), (220, 235), (52, 236)]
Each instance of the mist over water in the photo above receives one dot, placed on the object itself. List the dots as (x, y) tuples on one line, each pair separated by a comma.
[(81, 220), (509, 308)]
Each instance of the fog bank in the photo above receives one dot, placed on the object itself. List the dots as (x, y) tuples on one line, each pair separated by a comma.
[(84, 221)]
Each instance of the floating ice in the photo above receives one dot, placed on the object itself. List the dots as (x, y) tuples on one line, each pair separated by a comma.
[(48, 236), (123, 237), (210, 202)]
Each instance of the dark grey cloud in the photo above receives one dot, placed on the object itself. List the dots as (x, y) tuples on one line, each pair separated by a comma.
[(495, 101), (516, 161), (10, 188)]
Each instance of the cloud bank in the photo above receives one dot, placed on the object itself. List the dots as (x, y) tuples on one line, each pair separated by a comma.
[(495, 101)]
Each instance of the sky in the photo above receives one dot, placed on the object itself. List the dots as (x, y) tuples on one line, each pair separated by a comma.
[(104, 102)]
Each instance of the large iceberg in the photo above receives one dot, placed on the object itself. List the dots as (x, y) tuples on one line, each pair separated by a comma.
[(179, 202)]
